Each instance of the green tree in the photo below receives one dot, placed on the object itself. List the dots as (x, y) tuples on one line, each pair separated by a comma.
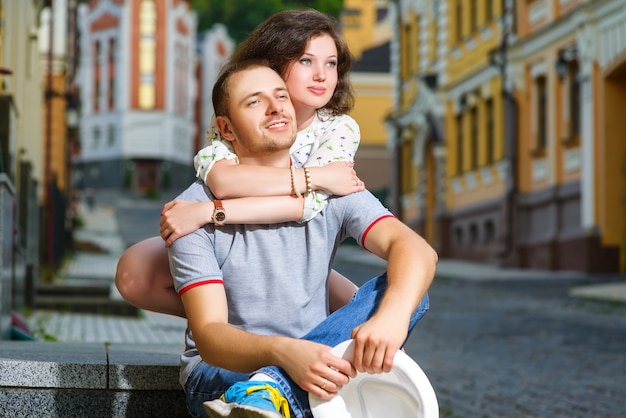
[(241, 16), (332, 7)]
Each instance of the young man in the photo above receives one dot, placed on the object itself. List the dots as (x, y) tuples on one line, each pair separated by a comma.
[(256, 295)]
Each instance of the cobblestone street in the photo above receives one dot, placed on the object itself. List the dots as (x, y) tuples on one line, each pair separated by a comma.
[(522, 349)]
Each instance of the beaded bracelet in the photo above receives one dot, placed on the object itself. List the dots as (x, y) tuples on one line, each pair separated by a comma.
[(294, 186), (307, 179)]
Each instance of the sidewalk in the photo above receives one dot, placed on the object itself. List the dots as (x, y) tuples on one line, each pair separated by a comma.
[(98, 268), (615, 291), (101, 228)]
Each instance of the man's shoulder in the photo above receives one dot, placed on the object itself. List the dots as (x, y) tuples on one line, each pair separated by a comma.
[(363, 195), (196, 192), (361, 200)]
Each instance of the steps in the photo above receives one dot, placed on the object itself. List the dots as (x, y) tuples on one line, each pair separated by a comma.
[(84, 298)]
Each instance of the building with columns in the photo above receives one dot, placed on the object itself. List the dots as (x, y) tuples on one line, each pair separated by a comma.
[(137, 77), (568, 69), (446, 131), (505, 134)]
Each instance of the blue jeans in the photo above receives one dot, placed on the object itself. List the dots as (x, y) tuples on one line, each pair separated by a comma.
[(208, 382)]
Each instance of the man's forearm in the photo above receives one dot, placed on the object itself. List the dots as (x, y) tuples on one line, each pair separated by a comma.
[(411, 265), (411, 269), (224, 346)]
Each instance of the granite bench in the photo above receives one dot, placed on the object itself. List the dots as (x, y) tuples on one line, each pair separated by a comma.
[(50, 379)]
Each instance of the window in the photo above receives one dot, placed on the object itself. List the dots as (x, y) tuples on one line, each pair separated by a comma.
[(458, 236), (473, 16), (474, 137), (541, 109), (96, 76), (490, 231), (435, 14), (414, 51), (406, 56), (574, 99), (489, 131), (407, 169), (473, 234), (459, 144), (459, 21), (180, 69), (111, 135), (351, 18), (96, 137), (111, 92), (147, 54), (488, 10)]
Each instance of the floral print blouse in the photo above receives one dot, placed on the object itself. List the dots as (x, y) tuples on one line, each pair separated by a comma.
[(326, 140)]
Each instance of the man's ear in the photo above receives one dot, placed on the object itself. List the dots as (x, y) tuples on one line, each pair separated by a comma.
[(225, 127)]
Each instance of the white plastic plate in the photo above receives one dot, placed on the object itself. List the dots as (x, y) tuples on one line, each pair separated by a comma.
[(403, 392)]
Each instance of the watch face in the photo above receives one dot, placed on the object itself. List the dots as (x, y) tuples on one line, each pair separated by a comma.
[(219, 217)]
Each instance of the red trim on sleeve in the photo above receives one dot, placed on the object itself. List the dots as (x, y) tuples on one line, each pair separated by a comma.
[(371, 226), (202, 283)]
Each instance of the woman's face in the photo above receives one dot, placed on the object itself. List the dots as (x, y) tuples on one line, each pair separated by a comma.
[(312, 78)]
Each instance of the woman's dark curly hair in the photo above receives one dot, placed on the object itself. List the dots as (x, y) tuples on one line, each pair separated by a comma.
[(283, 38)]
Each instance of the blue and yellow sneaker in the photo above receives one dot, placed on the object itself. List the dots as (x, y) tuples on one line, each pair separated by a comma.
[(251, 399)]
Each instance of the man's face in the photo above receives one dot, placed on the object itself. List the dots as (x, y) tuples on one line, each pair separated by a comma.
[(262, 118)]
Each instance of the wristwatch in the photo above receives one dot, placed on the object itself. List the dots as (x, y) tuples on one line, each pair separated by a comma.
[(219, 214)]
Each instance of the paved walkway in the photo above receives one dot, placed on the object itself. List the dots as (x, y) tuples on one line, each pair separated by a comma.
[(150, 328), (101, 228)]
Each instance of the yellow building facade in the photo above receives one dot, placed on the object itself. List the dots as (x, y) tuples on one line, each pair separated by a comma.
[(447, 133), (505, 134), (568, 65), (21, 92), (366, 27)]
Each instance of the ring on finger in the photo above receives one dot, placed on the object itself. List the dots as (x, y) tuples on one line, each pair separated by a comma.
[(325, 383)]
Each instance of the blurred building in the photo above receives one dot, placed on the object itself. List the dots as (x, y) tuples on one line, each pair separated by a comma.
[(567, 66), (57, 58), (367, 29), (137, 78), (21, 91), (214, 48), (429, 72), (21, 156), (53, 49), (506, 130)]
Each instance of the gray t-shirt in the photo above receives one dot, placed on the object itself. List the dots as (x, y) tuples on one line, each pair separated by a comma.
[(275, 276)]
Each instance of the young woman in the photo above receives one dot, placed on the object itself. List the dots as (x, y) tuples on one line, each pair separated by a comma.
[(304, 47)]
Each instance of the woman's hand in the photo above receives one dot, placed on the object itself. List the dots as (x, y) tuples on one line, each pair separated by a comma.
[(180, 217), (337, 178)]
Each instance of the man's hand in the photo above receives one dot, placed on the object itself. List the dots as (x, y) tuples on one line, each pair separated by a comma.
[(314, 368), (376, 343), (180, 217), (411, 264)]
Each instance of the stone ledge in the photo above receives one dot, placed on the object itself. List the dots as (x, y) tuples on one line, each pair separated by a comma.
[(61, 379)]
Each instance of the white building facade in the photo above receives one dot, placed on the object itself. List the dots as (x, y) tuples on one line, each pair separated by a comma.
[(137, 77)]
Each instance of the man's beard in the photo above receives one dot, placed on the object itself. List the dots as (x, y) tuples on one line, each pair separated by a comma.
[(267, 143)]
